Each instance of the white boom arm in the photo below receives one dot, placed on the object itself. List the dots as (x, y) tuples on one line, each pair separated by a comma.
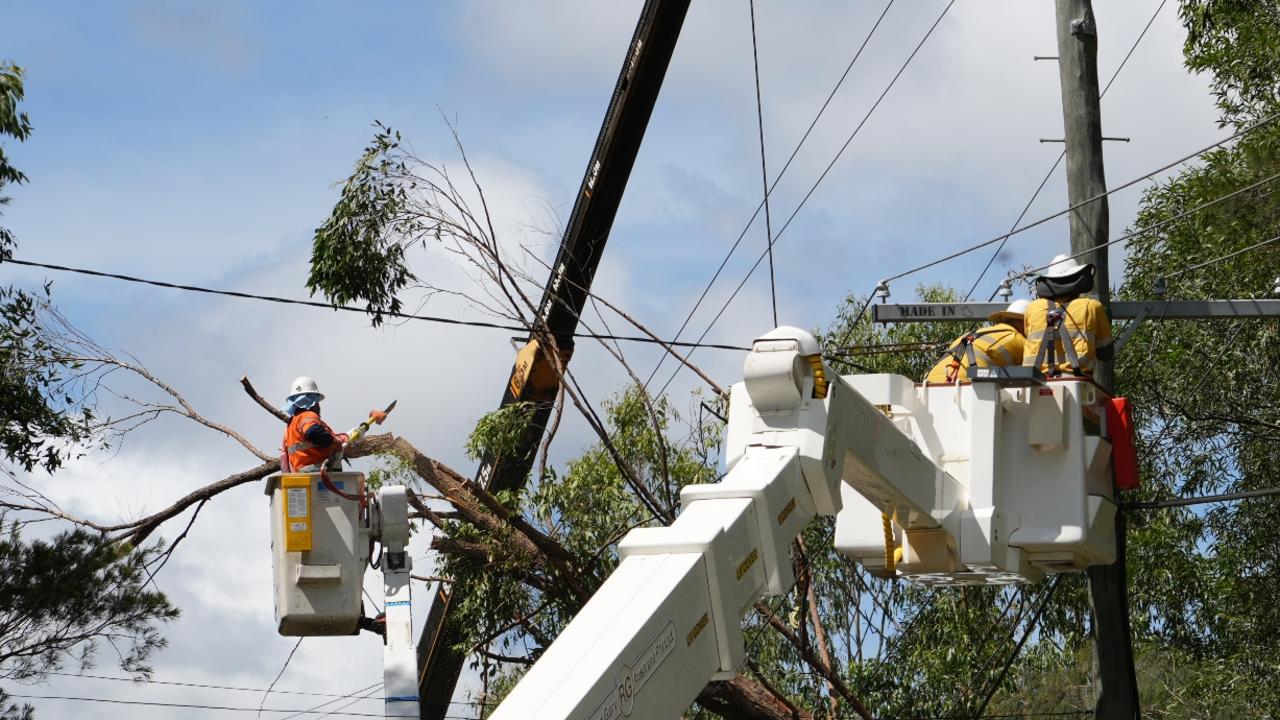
[(399, 657), (668, 620)]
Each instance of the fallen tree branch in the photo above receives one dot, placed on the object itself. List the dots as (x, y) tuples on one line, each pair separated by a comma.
[(483, 510), (744, 699), (140, 530)]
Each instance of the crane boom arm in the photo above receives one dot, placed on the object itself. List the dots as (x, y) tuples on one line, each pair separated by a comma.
[(534, 377), (668, 620)]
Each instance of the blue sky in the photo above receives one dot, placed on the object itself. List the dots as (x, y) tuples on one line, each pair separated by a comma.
[(201, 143)]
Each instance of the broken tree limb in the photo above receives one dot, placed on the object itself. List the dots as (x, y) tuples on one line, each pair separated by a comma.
[(747, 699), (251, 392), (137, 532), (486, 512)]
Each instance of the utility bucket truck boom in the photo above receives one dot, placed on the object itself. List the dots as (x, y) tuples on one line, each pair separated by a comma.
[(869, 449)]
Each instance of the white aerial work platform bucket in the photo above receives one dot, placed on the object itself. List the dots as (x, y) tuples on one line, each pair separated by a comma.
[(1034, 465), (319, 550)]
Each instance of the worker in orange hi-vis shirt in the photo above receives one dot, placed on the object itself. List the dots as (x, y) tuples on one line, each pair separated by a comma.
[(309, 441)]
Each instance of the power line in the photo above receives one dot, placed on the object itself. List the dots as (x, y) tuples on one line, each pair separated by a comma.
[(1063, 154), (365, 693), (1017, 650), (978, 246), (764, 172), (232, 688), (192, 706), (1202, 500), (207, 686), (1011, 716), (1158, 225), (795, 151), (1150, 228), (1219, 259), (351, 308), (280, 674), (818, 182)]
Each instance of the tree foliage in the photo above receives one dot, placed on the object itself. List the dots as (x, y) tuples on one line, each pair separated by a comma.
[(358, 253), (1205, 582), (14, 124), (63, 597), (1207, 596)]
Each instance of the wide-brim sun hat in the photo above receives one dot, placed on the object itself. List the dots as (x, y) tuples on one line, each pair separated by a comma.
[(1063, 266)]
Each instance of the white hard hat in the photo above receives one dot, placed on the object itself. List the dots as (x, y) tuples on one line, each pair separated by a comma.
[(1062, 266), (1015, 311), (304, 385)]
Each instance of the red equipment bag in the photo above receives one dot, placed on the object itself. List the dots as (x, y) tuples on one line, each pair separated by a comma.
[(1124, 453)]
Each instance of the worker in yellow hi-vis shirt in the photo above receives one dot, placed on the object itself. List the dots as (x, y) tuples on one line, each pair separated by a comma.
[(1062, 311), (999, 344)]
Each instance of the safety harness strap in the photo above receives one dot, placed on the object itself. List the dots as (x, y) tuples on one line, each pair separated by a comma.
[(1055, 331), (966, 349)]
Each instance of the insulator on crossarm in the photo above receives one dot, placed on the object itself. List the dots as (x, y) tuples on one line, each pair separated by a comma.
[(882, 291), (1160, 287), (1005, 291), (1276, 289)]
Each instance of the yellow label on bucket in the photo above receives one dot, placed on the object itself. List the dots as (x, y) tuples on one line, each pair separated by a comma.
[(297, 512)]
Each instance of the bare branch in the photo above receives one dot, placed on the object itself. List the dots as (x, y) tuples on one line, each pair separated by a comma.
[(251, 392)]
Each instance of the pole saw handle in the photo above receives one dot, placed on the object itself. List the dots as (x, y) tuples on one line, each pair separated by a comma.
[(376, 417)]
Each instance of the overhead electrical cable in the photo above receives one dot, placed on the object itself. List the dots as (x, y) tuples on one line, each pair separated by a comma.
[(840, 354), (206, 686), (1063, 154), (348, 308), (795, 151), (764, 171), (192, 706), (818, 182), (1202, 500), (365, 693), (1156, 226), (1220, 258), (1017, 649), (280, 674), (1023, 228), (1041, 221)]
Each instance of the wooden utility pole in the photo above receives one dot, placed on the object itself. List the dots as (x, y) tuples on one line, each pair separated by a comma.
[(1117, 697), (534, 376)]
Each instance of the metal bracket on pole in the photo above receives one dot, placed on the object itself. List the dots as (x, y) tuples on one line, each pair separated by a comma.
[(1133, 325)]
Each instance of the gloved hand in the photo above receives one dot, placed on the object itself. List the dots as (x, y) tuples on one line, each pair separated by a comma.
[(377, 416), (342, 438)]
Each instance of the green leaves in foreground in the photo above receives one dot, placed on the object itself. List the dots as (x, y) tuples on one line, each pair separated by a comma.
[(61, 599)]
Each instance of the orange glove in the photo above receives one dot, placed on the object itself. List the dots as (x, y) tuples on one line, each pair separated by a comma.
[(377, 416)]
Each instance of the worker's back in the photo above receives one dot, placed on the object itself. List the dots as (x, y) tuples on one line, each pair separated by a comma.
[(1084, 321), (996, 345)]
